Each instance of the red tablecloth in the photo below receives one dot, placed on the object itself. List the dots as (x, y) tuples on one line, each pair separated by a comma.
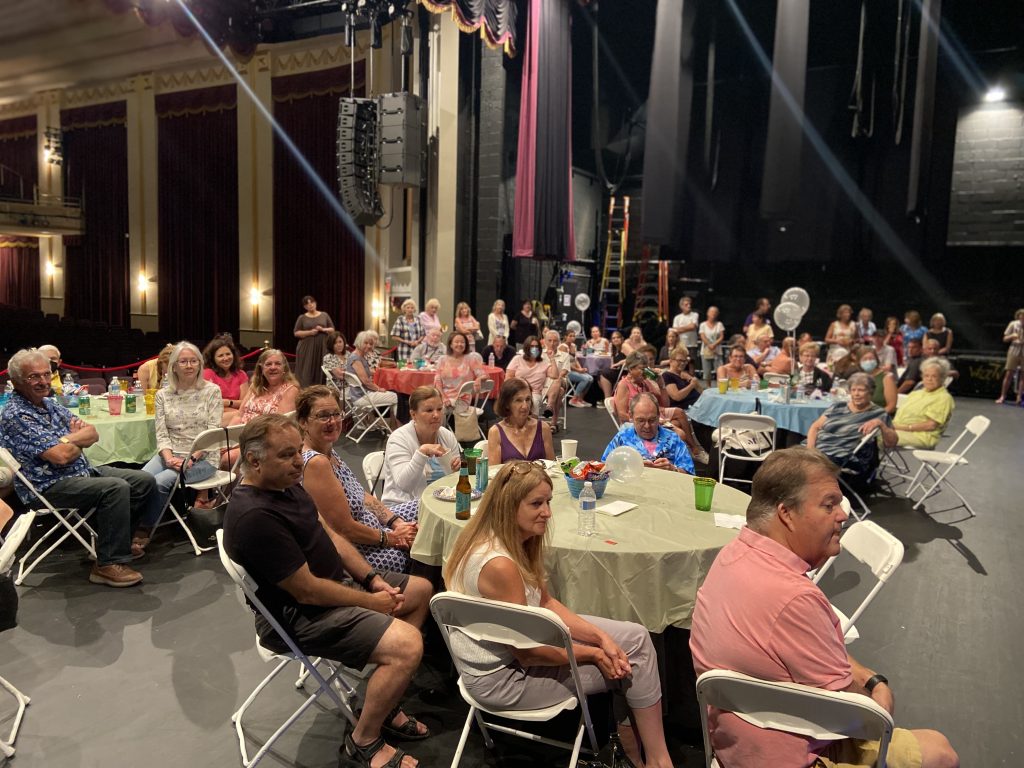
[(407, 379)]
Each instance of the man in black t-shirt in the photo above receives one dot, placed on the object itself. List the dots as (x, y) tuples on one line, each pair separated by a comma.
[(320, 588), (502, 352)]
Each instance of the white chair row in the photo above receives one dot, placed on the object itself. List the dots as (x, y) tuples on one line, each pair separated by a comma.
[(15, 536)]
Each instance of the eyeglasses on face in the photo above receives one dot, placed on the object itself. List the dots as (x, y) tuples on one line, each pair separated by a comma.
[(188, 363), (38, 377), (325, 417), (650, 421)]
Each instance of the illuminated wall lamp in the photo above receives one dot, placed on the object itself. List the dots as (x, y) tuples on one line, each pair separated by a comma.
[(142, 282), (377, 308)]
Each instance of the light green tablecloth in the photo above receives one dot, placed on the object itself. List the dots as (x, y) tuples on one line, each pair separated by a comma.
[(130, 437), (644, 565)]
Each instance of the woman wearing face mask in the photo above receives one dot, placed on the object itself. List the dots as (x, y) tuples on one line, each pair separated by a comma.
[(531, 367), (419, 452), (884, 391)]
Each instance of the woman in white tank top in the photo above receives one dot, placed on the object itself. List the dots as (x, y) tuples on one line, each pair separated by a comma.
[(500, 556)]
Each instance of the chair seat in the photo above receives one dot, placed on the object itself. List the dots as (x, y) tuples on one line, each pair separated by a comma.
[(216, 480), (939, 457), (534, 715)]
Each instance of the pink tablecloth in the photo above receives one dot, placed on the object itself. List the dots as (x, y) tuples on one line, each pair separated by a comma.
[(407, 379)]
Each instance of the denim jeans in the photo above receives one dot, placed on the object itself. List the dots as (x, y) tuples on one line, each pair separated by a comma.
[(119, 495), (581, 382), (166, 479)]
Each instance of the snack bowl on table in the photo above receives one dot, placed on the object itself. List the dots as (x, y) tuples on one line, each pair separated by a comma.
[(599, 481)]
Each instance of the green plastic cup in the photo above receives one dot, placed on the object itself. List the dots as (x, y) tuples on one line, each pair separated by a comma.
[(703, 492), (471, 456)]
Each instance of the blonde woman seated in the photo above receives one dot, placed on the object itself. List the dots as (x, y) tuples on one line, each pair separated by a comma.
[(924, 414), (500, 556), (419, 452), (383, 536), (273, 389), (519, 434), (151, 373)]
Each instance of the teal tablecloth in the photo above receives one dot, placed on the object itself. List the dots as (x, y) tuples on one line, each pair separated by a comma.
[(794, 416)]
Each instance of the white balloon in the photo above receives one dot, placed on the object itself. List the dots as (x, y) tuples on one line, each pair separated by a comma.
[(582, 301), (787, 316), (625, 464), (797, 296), (574, 326)]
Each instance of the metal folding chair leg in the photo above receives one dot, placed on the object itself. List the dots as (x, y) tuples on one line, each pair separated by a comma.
[(7, 745), (64, 524)]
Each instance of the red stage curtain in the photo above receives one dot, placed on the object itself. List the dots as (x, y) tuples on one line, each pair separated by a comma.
[(197, 202), (19, 272), (313, 251), (96, 277), (18, 154)]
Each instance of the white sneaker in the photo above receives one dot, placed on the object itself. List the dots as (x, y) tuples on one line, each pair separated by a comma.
[(701, 457), (600, 403)]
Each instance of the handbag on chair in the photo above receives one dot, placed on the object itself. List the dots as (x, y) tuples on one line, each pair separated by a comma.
[(466, 427)]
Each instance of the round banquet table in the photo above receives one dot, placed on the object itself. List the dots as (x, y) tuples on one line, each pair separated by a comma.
[(644, 565), (595, 364), (793, 416), (129, 438), (405, 380)]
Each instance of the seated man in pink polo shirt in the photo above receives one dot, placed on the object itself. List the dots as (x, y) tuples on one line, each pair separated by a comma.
[(758, 613)]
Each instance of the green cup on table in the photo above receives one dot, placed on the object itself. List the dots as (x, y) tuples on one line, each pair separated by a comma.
[(703, 492)]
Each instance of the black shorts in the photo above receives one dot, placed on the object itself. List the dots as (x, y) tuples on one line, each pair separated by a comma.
[(347, 634)]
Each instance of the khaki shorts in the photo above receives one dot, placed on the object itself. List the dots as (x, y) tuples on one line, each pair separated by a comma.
[(1014, 360), (903, 752)]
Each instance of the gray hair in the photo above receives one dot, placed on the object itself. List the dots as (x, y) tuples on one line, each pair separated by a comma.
[(253, 439), (782, 479), (46, 349), (406, 303), (643, 396), (862, 379), (936, 362), (364, 336), (633, 360), (20, 359), (172, 374)]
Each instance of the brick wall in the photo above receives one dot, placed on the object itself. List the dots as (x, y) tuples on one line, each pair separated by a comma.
[(987, 194)]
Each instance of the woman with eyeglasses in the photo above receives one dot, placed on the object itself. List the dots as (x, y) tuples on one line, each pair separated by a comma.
[(419, 452), (187, 406), (382, 535), (500, 556)]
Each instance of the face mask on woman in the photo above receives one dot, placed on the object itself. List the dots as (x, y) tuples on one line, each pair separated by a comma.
[(868, 365), (534, 352)]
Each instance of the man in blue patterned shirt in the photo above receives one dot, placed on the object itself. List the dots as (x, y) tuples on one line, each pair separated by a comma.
[(47, 440), (660, 447)]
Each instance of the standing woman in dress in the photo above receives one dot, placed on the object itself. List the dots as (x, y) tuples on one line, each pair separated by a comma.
[(311, 330), (497, 322)]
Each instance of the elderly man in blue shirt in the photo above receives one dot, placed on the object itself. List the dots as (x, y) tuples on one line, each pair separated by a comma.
[(660, 446), (47, 440)]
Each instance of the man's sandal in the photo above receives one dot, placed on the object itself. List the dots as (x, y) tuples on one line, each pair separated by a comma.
[(406, 732), (363, 755)]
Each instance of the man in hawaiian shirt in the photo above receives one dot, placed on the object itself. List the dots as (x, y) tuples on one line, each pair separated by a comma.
[(660, 446)]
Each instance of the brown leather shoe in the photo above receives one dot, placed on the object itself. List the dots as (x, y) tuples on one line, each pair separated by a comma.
[(114, 575)]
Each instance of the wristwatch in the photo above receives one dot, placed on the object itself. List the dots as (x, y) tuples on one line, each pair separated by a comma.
[(874, 680), (368, 579), (65, 440)]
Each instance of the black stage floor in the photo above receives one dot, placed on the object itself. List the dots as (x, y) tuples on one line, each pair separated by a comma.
[(150, 676)]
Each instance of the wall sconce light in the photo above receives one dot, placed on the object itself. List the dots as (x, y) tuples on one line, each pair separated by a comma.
[(143, 282), (376, 308), (51, 269), (255, 296)]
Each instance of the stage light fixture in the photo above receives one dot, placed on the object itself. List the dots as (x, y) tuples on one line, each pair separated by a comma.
[(995, 94)]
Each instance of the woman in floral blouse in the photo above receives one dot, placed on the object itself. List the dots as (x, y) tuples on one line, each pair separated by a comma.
[(457, 368)]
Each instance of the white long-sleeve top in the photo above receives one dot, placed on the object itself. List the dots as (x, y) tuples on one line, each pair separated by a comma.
[(183, 414), (406, 472)]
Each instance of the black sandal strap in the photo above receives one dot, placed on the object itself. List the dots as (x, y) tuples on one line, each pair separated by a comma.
[(365, 754)]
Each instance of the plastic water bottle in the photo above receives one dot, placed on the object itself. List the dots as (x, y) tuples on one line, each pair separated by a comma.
[(115, 386), (587, 520), (69, 385), (490, 360), (136, 387)]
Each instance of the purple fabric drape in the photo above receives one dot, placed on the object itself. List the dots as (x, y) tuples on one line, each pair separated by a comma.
[(18, 154), (197, 204), (96, 170), (543, 226), (19, 272), (314, 253)]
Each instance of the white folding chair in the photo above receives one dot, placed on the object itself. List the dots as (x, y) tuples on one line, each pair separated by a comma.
[(847, 477), (873, 546), (932, 461), (368, 416), (742, 429), (609, 405), (474, 400), (799, 709), (522, 627), (70, 522), (329, 378), (209, 440), (777, 378), (373, 464), (334, 685), (15, 536)]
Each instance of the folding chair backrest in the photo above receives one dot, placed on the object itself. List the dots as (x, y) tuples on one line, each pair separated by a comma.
[(977, 425), (875, 547), (466, 390), (481, 445), (248, 586), (351, 380), (609, 405), (520, 626), (798, 709), (373, 463), (8, 460), (210, 439), (16, 535), (747, 422)]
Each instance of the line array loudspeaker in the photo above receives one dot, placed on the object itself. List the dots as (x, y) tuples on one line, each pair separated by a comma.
[(358, 161)]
